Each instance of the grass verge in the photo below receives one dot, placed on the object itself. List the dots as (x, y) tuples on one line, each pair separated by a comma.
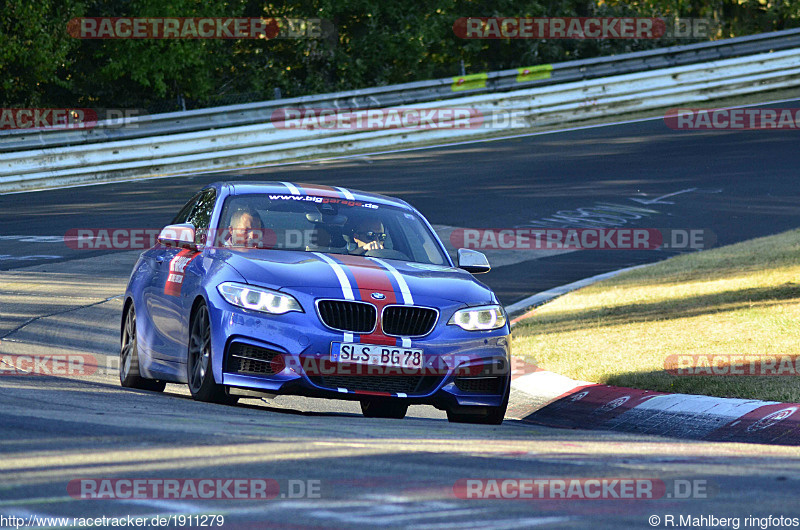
[(739, 300)]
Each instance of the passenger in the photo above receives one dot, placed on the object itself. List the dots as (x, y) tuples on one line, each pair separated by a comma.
[(368, 235)]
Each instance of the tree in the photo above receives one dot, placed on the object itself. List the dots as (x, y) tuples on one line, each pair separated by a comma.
[(36, 54)]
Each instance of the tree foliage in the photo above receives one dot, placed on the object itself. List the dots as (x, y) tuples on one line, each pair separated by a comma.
[(376, 42), (36, 54)]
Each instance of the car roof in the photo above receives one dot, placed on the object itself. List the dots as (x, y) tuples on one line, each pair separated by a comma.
[(294, 188)]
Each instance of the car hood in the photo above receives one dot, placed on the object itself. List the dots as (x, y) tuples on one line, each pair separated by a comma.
[(315, 274)]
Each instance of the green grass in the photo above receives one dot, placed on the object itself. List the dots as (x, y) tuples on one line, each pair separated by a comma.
[(743, 299)]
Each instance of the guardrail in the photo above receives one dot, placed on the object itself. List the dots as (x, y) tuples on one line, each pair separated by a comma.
[(265, 143), (408, 93)]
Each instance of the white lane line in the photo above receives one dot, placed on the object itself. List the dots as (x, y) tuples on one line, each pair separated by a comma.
[(388, 515), (38, 239), (502, 524), (431, 515), (658, 200), (546, 296), (170, 506), (9, 257), (395, 509), (36, 500)]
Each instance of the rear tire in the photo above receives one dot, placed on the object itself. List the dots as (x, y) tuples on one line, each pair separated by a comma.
[(483, 415), (129, 375), (374, 408), (199, 373)]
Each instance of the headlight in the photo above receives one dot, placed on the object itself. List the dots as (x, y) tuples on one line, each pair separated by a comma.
[(483, 318), (258, 298)]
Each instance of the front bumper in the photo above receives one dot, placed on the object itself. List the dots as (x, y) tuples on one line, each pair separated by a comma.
[(290, 355)]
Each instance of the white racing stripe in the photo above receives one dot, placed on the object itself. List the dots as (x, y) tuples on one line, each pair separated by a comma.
[(406, 292), (292, 188), (347, 195), (347, 289)]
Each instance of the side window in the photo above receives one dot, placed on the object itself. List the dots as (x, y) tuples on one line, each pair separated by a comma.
[(198, 212), (201, 213), (183, 215)]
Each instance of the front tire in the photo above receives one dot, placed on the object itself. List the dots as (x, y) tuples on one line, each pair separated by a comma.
[(129, 375), (199, 373)]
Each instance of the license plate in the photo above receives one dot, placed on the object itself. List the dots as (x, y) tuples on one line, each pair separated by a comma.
[(376, 355)]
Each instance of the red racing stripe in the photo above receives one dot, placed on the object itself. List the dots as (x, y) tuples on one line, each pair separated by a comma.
[(319, 190), (370, 278)]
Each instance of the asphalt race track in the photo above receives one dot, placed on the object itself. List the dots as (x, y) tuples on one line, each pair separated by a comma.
[(744, 185), (332, 467)]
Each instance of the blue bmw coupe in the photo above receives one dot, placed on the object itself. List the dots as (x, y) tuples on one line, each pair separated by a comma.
[(264, 288)]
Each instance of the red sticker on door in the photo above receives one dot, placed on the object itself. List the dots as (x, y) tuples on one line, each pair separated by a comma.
[(177, 266)]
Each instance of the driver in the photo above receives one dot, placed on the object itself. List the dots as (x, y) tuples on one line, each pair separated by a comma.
[(245, 229), (368, 234)]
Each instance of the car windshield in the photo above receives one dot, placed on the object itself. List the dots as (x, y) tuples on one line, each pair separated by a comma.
[(324, 224)]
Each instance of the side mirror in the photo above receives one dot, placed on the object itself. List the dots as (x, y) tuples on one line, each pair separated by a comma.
[(182, 235), (473, 261)]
